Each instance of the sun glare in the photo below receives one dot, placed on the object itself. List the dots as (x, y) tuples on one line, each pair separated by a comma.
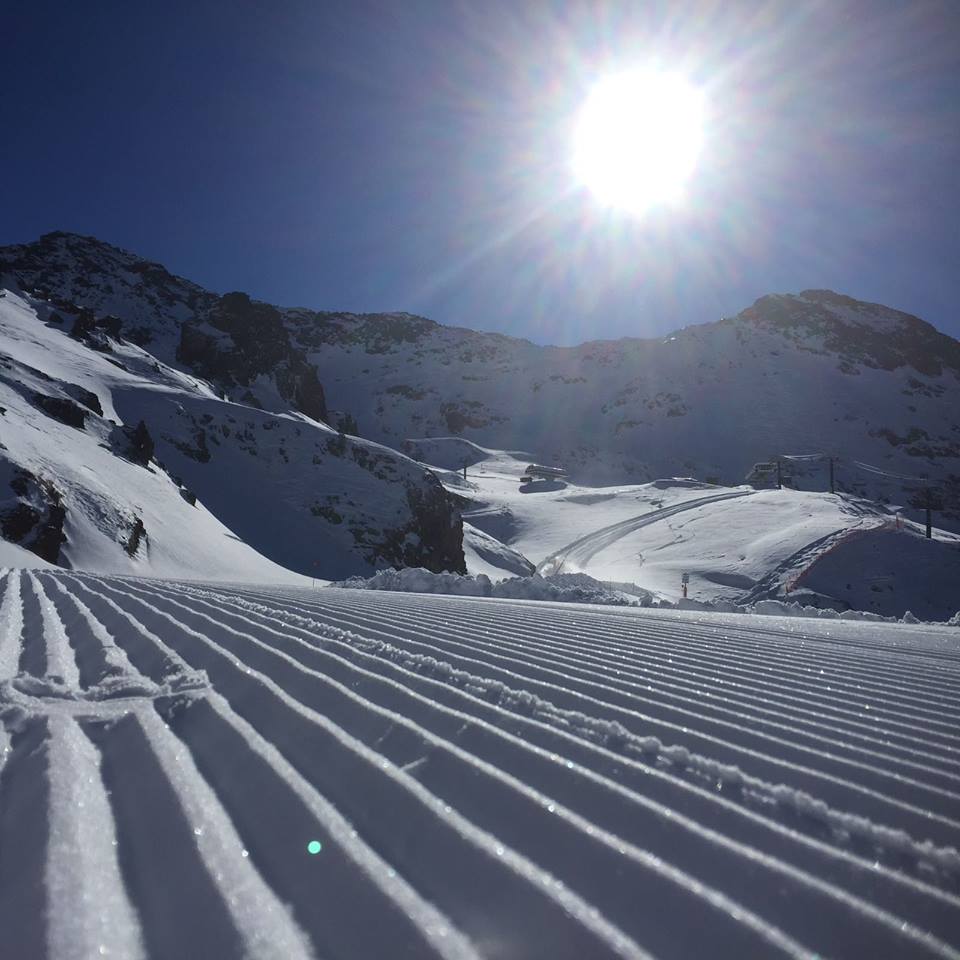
[(637, 139)]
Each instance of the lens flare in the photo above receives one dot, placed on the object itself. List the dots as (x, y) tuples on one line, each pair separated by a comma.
[(637, 139)]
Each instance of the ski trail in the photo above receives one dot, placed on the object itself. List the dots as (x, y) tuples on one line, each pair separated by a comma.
[(101, 663), (931, 694), (277, 813), (669, 680), (634, 641), (11, 626), (149, 655), (89, 912), (231, 862), (440, 772), (721, 741), (537, 766), (520, 700), (695, 661), (33, 653), (483, 778), (261, 920), (513, 900), (156, 834), (581, 550), (703, 705), (24, 838), (61, 664)]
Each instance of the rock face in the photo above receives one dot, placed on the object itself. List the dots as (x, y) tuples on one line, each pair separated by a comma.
[(864, 334), (32, 512), (301, 494), (240, 341), (100, 292)]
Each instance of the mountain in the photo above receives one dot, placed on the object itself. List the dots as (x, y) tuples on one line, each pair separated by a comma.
[(115, 457), (793, 374), (243, 399)]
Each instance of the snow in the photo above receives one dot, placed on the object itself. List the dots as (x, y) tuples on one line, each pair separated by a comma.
[(486, 777), (558, 754), (738, 546), (562, 588), (275, 502), (708, 402), (487, 555), (13, 555)]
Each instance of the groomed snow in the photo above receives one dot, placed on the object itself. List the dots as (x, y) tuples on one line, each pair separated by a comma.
[(479, 777), (738, 545)]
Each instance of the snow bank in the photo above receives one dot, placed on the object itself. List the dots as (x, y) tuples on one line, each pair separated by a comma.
[(566, 588), (580, 588), (780, 608)]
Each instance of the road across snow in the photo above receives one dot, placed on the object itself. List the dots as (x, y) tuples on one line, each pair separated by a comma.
[(484, 778)]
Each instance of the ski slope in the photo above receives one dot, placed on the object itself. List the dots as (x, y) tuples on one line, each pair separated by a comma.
[(575, 556), (484, 778), (736, 544)]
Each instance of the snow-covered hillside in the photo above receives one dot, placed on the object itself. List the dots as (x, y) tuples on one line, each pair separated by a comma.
[(255, 766), (214, 489), (814, 373), (793, 374), (737, 545), (191, 771)]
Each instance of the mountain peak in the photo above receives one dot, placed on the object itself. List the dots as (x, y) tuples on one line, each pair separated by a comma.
[(859, 332)]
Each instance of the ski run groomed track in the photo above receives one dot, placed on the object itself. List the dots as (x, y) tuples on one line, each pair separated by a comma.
[(218, 772)]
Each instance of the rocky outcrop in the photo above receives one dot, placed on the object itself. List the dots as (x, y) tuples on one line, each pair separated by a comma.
[(241, 340), (34, 515), (438, 529)]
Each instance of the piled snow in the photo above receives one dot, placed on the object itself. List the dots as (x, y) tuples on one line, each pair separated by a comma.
[(780, 608), (892, 572), (563, 588), (580, 588)]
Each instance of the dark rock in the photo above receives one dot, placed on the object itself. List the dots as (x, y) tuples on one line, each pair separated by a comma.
[(17, 521), (141, 444), (36, 517), (437, 523), (66, 411), (137, 534), (87, 397), (133, 443), (256, 343)]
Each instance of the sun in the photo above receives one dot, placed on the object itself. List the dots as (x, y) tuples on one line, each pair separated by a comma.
[(637, 139)]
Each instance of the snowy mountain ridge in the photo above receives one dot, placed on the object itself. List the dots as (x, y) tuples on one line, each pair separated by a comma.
[(216, 489), (270, 770), (815, 372), (812, 372)]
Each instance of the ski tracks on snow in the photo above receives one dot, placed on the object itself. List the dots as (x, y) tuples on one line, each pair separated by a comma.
[(581, 551), (485, 779)]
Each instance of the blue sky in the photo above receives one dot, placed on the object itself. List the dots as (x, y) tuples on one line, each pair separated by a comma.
[(415, 155)]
